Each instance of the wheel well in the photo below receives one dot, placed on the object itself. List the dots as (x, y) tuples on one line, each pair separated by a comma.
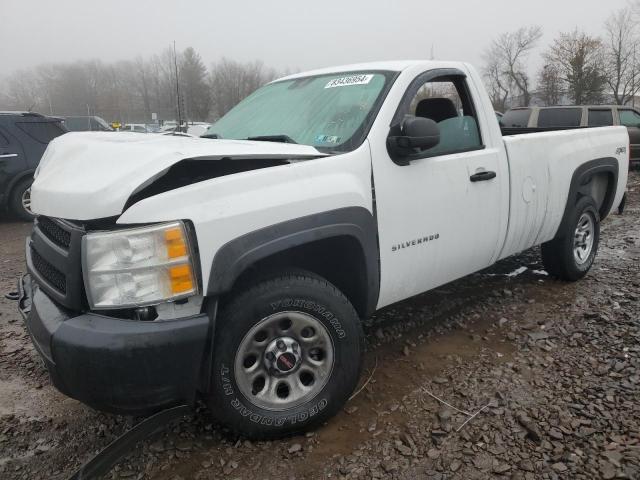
[(19, 178), (340, 260), (599, 186)]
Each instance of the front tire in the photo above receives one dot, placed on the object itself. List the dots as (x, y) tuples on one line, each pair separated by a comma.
[(287, 355), (570, 255)]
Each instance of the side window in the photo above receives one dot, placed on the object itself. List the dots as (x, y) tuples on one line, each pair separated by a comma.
[(559, 117), (42, 132), (447, 101), (600, 118), (4, 141), (517, 118), (629, 118)]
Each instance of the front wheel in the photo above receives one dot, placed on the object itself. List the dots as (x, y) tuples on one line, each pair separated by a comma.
[(20, 200), (288, 353), (570, 255)]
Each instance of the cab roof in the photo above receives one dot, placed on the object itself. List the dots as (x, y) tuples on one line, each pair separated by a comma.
[(393, 66)]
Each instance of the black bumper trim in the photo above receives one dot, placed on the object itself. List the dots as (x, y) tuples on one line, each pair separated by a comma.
[(115, 365), (101, 464)]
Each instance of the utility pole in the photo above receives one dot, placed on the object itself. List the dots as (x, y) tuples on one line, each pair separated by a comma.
[(175, 64), (633, 78)]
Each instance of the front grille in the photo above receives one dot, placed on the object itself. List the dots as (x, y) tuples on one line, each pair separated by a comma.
[(54, 232), (54, 258), (51, 274)]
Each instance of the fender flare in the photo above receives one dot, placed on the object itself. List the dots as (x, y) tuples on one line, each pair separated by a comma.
[(582, 176), (236, 256)]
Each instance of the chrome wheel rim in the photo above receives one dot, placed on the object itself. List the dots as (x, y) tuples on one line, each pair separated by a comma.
[(26, 201), (583, 238), (284, 361)]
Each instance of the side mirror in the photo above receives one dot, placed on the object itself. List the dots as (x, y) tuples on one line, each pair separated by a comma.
[(416, 134)]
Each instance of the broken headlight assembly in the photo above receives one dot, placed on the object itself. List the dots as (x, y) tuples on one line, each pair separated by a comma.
[(137, 267)]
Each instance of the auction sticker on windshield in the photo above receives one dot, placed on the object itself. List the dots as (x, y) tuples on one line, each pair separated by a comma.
[(350, 80)]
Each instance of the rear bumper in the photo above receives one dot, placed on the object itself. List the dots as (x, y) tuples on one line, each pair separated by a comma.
[(115, 365)]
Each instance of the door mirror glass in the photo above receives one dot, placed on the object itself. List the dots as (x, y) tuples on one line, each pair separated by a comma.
[(416, 134)]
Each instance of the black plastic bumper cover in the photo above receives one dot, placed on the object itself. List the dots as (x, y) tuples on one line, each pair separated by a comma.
[(115, 365)]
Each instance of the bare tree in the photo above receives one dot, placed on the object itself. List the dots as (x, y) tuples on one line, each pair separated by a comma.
[(23, 92), (507, 57), (129, 91), (141, 79), (550, 84), (166, 82), (232, 81), (620, 62), (579, 59), (196, 91), (498, 83)]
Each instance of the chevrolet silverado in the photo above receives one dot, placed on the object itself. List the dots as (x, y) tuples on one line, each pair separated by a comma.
[(236, 268)]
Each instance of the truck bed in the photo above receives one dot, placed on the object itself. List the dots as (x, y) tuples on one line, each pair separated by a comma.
[(541, 164)]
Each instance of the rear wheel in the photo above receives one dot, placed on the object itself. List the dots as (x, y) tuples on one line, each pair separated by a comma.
[(20, 200), (570, 255), (288, 353)]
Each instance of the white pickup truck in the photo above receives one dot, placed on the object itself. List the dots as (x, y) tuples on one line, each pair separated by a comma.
[(235, 268)]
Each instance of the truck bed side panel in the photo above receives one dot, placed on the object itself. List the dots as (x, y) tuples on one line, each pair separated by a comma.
[(541, 169)]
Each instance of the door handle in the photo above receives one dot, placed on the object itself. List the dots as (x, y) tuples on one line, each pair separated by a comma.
[(8, 155), (482, 176)]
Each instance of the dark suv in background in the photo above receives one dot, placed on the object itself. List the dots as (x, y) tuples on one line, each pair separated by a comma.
[(24, 136), (566, 117)]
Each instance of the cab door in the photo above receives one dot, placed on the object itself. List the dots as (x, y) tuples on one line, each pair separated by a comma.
[(441, 212)]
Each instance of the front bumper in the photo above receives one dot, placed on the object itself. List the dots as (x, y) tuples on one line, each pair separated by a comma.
[(116, 365)]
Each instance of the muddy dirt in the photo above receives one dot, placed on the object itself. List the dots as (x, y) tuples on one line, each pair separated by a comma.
[(541, 378)]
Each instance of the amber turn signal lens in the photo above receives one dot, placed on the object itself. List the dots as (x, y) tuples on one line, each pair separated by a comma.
[(181, 279), (176, 243)]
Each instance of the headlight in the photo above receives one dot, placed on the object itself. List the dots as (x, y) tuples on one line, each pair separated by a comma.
[(138, 266)]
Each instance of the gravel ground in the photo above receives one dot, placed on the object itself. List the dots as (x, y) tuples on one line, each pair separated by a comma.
[(541, 379)]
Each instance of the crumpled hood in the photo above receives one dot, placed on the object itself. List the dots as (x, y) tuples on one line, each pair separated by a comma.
[(84, 176)]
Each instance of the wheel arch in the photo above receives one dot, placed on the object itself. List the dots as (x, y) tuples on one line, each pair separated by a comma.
[(589, 180), (340, 245), (15, 181)]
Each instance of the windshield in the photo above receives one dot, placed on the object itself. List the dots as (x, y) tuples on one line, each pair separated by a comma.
[(329, 112)]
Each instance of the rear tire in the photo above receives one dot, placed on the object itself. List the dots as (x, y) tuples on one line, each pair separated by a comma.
[(570, 255), (20, 200), (287, 355)]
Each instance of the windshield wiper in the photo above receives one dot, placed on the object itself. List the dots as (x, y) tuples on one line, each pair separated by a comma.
[(273, 138), (210, 135)]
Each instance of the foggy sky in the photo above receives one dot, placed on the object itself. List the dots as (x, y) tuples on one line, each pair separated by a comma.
[(285, 34)]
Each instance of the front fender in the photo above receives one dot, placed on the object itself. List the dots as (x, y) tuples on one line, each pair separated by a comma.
[(231, 207), (239, 254)]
